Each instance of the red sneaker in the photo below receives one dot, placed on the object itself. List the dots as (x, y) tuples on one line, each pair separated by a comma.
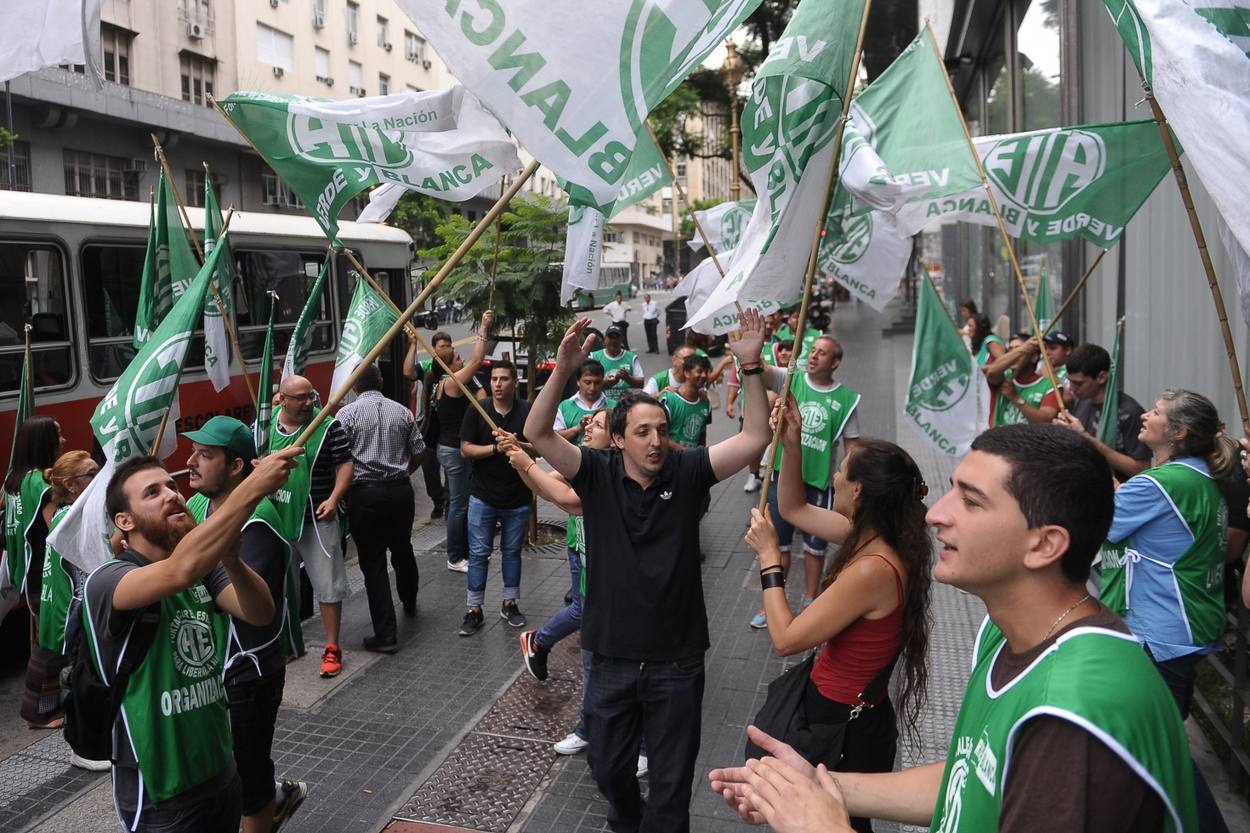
[(331, 661)]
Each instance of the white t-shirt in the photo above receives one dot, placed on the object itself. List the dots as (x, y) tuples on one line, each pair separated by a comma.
[(616, 311), (650, 309)]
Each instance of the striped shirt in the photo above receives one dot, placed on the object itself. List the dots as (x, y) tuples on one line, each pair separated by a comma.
[(383, 436)]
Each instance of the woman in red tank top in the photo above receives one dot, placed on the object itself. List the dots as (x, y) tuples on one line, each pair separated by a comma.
[(874, 602)]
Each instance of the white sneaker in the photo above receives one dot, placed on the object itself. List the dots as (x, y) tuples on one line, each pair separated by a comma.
[(571, 745), (461, 566), (753, 483), (642, 766), (92, 766)]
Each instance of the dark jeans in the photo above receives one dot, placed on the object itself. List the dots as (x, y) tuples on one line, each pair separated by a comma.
[(664, 699), (253, 713), (381, 516), (512, 525), (457, 469), (652, 326), (218, 813)]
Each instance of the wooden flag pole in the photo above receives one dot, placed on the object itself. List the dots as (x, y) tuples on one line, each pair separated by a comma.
[(494, 260), (830, 184), (681, 193), (1195, 225), (1002, 226), (1076, 290), (406, 316), (425, 345)]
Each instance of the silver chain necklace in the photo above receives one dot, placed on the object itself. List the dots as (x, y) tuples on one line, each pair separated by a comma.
[(1080, 602)]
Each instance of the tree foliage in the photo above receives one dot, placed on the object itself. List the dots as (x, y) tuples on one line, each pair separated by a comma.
[(420, 216)]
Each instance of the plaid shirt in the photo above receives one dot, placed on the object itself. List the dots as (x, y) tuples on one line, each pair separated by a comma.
[(383, 436)]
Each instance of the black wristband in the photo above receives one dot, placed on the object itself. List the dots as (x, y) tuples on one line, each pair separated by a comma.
[(772, 580), (752, 371)]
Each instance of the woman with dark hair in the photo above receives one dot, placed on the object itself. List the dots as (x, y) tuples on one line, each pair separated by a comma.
[(986, 346), (873, 608)]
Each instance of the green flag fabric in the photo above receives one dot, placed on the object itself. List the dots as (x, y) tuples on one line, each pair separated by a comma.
[(787, 147), (168, 265), (443, 144), (948, 400), (1108, 420), (216, 342), (301, 337), (264, 386), (25, 398), (369, 316), (1044, 304)]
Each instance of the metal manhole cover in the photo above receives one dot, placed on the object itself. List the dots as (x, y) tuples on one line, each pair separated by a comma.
[(483, 784), (540, 711)]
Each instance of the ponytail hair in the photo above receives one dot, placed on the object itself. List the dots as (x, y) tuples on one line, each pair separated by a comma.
[(1204, 435), (58, 475)]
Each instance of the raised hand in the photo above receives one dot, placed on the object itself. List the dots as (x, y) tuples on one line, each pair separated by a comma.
[(271, 471), (748, 341), (792, 423), (762, 537), (572, 352), (483, 330)]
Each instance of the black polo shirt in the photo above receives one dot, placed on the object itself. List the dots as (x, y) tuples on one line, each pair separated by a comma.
[(1128, 426), (644, 587), (493, 480)]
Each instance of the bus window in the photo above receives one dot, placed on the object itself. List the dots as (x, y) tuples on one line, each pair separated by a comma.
[(35, 273), (111, 275), (290, 274)]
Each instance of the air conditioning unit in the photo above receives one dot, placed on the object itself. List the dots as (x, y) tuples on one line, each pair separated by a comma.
[(329, 82), (195, 31), (387, 47), (278, 72), (353, 37), (357, 91), (319, 20), (273, 4), (425, 64)]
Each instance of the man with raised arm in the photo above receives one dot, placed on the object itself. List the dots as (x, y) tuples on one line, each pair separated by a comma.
[(647, 624)]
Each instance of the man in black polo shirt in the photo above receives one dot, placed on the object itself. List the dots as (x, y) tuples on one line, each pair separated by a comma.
[(644, 619), (1089, 368)]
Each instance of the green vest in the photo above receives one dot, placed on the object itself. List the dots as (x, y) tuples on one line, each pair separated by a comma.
[(291, 632), (983, 352), (661, 380), (1198, 573), (55, 594), (686, 419), (174, 712), (1006, 412), (825, 413), (572, 411), (1098, 679), (20, 511), (1112, 591), (291, 500), (625, 360)]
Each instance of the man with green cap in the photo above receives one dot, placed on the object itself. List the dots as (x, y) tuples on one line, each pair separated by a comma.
[(255, 667)]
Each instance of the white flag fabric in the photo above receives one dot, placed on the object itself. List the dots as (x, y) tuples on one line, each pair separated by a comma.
[(47, 33), (575, 83), (867, 254), (583, 250), (723, 224), (382, 201), (699, 284)]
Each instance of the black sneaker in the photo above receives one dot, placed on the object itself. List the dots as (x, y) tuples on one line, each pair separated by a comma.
[(293, 795), (381, 646), (535, 656), (437, 512), (512, 614), (473, 621)]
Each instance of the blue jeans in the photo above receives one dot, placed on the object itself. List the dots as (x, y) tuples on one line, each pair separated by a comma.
[(457, 502), (569, 619), (785, 530), (482, 520)]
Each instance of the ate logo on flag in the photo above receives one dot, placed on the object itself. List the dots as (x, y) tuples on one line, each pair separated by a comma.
[(732, 224), (856, 234), (142, 405), (333, 143), (942, 383), (1044, 172)]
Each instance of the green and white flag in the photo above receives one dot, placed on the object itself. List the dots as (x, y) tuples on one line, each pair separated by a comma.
[(301, 337), (369, 316), (264, 386), (1109, 419), (699, 284), (168, 266), (948, 400), (723, 224), (443, 144), (1044, 304), (25, 397), (217, 357), (128, 417), (575, 83), (865, 252), (1060, 183), (787, 147)]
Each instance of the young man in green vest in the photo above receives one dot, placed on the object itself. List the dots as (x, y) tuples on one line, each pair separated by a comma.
[(308, 507), (173, 769), (1021, 393), (1065, 724), (623, 369), (669, 377), (687, 407), (576, 411), (255, 666), (829, 415)]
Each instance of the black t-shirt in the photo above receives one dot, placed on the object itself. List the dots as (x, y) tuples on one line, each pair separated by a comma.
[(1128, 426), (451, 413), (493, 480), (256, 651), (644, 587)]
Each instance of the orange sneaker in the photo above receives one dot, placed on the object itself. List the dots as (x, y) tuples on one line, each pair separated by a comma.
[(331, 661)]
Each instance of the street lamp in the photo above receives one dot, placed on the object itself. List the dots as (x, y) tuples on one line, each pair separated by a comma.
[(732, 71)]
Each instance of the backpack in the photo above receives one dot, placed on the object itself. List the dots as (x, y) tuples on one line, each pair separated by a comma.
[(91, 705)]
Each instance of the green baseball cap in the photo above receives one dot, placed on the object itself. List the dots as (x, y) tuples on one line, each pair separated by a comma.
[(226, 432)]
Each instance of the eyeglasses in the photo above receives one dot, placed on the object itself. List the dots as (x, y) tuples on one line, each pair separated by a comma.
[(298, 397)]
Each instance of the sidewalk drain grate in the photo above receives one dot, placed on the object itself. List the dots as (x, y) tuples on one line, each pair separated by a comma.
[(538, 711)]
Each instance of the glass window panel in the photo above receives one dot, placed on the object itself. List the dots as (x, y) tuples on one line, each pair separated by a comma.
[(291, 275), (35, 274), (1039, 66)]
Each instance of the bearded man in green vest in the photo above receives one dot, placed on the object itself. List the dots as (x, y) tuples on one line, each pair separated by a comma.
[(1065, 723), (255, 666), (173, 768)]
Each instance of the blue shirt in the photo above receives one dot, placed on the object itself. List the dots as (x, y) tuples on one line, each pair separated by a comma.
[(1155, 532)]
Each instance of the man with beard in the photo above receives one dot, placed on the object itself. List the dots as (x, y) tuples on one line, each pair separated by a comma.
[(255, 674), (172, 764)]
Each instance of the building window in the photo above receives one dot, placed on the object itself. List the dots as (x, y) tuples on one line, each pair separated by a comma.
[(97, 175), (33, 285), (319, 13), (277, 194), (414, 47), (613, 237), (384, 84), (274, 48), (197, 79), (355, 78), (353, 22), (116, 46), (194, 194), (681, 166), (19, 152), (323, 65), (384, 33)]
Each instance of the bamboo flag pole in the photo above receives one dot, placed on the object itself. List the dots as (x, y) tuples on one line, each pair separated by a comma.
[(1195, 225), (1076, 290), (425, 345), (1002, 226), (406, 315), (199, 253), (494, 260), (681, 192), (830, 184)]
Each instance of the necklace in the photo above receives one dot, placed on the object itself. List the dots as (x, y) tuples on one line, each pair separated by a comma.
[(1080, 602)]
